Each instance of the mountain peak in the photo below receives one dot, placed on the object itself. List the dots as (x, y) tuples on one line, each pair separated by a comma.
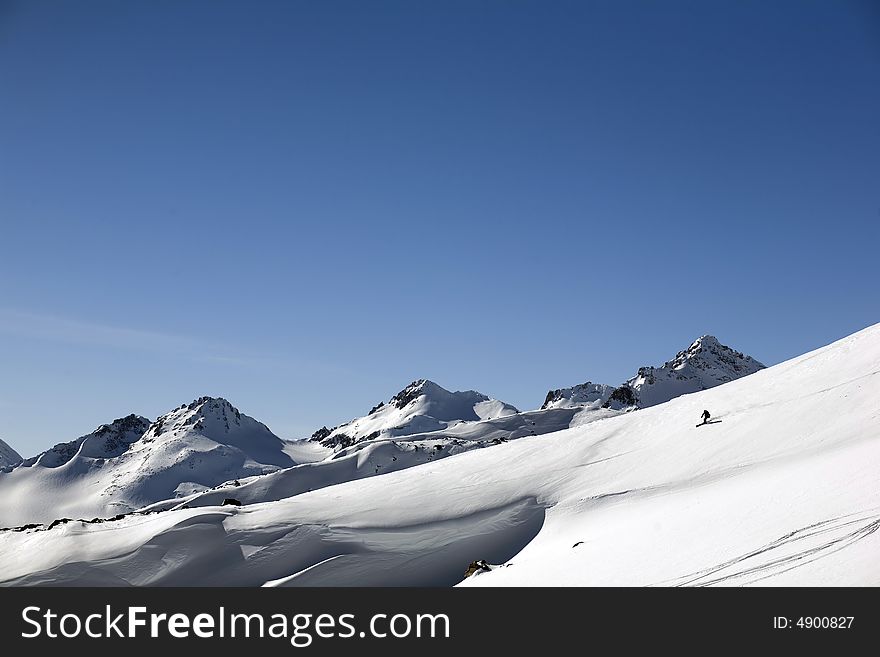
[(8, 456), (130, 422), (206, 415), (421, 407), (583, 394), (213, 405), (706, 363), (707, 351), (705, 341), (107, 441), (416, 389), (131, 462), (111, 440)]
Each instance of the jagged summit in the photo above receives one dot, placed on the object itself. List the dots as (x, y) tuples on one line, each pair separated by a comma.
[(706, 363), (708, 351), (418, 388), (584, 394), (432, 392), (420, 407), (8, 456), (205, 414), (217, 420), (707, 340), (132, 462), (107, 441)]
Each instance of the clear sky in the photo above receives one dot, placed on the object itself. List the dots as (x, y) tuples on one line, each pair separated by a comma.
[(302, 206)]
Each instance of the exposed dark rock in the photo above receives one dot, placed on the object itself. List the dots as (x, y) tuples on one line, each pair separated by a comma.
[(156, 428), (648, 374), (59, 521), (340, 440), (479, 566), (586, 392), (408, 394), (624, 396), (231, 501), (320, 434), (552, 396)]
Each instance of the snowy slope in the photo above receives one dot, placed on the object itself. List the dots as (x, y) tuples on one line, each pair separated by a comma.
[(8, 456), (130, 463), (314, 464), (421, 407), (370, 458), (784, 490)]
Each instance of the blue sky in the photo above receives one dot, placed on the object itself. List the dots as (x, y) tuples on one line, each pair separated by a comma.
[(303, 206)]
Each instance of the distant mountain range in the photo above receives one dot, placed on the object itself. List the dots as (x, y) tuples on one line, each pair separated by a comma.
[(203, 452)]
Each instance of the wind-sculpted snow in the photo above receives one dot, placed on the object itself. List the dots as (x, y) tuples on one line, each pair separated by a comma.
[(215, 549)]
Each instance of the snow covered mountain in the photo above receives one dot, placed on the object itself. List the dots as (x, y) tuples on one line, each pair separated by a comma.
[(705, 364), (635, 499), (131, 462), (195, 454), (584, 394), (107, 441), (326, 466), (8, 456), (421, 407)]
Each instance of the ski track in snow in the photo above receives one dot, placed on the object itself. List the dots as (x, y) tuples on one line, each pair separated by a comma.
[(805, 545)]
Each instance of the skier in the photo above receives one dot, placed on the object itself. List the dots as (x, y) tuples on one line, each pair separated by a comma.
[(706, 417)]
